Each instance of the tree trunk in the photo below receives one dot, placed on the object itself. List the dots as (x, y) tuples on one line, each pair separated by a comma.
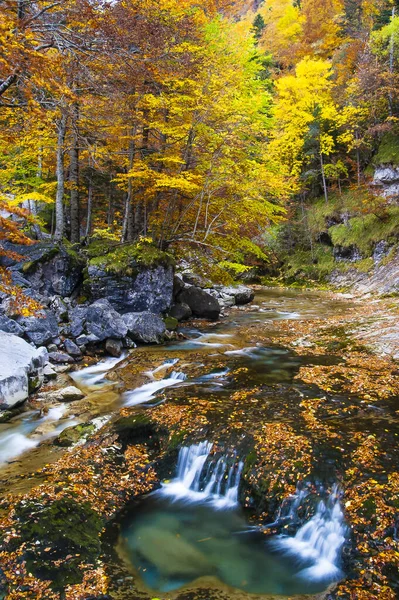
[(59, 199), (323, 176), (128, 220), (74, 176), (391, 65), (89, 208)]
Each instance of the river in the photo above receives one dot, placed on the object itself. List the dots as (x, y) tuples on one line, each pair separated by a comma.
[(262, 442)]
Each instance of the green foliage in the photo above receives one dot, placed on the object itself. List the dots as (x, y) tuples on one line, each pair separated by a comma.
[(364, 232), (235, 269), (388, 150), (126, 259), (305, 265)]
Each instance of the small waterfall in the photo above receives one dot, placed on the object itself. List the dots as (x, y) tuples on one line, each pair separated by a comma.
[(216, 483), (317, 544), (147, 392), (95, 374), (288, 511)]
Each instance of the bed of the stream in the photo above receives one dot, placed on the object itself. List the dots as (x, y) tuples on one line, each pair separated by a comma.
[(214, 515)]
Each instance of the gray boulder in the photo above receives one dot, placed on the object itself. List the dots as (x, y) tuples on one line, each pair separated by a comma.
[(10, 326), (148, 290), (145, 327), (114, 347), (181, 312), (40, 329), (21, 368), (72, 348), (68, 394), (60, 357), (51, 269), (103, 322), (77, 319), (200, 302), (240, 293)]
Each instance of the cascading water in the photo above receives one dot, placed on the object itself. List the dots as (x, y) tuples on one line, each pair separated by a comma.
[(95, 374), (216, 484), (318, 543), (148, 391)]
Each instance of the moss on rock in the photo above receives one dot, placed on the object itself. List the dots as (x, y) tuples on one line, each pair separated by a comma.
[(59, 536), (71, 435)]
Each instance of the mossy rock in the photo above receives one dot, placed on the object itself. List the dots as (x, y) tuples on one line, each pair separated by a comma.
[(59, 537), (139, 429), (71, 435), (129, 259), (171, 323)]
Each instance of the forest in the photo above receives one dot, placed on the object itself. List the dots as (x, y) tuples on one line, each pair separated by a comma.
[(199, 311), (194, 126)]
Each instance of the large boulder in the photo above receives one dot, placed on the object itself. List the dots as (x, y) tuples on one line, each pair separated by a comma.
[(104, 322), (241, 294), (10, 326), (21, 367), (145, 327), (386, 181), (50, 269), (149, 289), (96, 322), (181, 312), (40, 329), (200, 302)]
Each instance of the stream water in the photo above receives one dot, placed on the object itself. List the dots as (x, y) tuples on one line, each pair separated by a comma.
[(194, 526)]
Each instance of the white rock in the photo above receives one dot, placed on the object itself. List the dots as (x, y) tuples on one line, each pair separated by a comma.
[(19, 362)]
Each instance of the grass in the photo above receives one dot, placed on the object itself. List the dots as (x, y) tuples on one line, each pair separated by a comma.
[(388, 151), (365, 231), (126, 259)]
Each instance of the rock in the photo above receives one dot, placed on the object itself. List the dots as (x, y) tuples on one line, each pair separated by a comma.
[(60, 357), (21, 368), (171, 323), (41, 329), (51, 269), (178, 285), (145, 327), (386, 180), (48, 372), (68, 394), (72, 435), (196, 280), (52, 348), (240, 293), (104, 322), (72, 348), (60, 308), (148, 290), (77, 318), (10, 326), (114, 347), (82, 340), (181, 312), (200, 302)]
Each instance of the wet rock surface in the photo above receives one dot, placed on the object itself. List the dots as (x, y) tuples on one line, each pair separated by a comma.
[(294, 413), (20, 366)]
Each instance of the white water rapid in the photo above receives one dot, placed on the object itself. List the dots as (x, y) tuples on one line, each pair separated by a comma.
[(216, 483), (95, 374), (318, 543), (147, 392)]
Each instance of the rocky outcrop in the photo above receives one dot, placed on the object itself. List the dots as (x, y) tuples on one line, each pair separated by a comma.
[(145, 327), (21, 369), (148, 290), (382, 279), (49, 269), (386, 181), (40, 329), (201, 303)]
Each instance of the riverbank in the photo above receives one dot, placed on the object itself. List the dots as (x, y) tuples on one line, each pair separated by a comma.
[(287, 382)]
